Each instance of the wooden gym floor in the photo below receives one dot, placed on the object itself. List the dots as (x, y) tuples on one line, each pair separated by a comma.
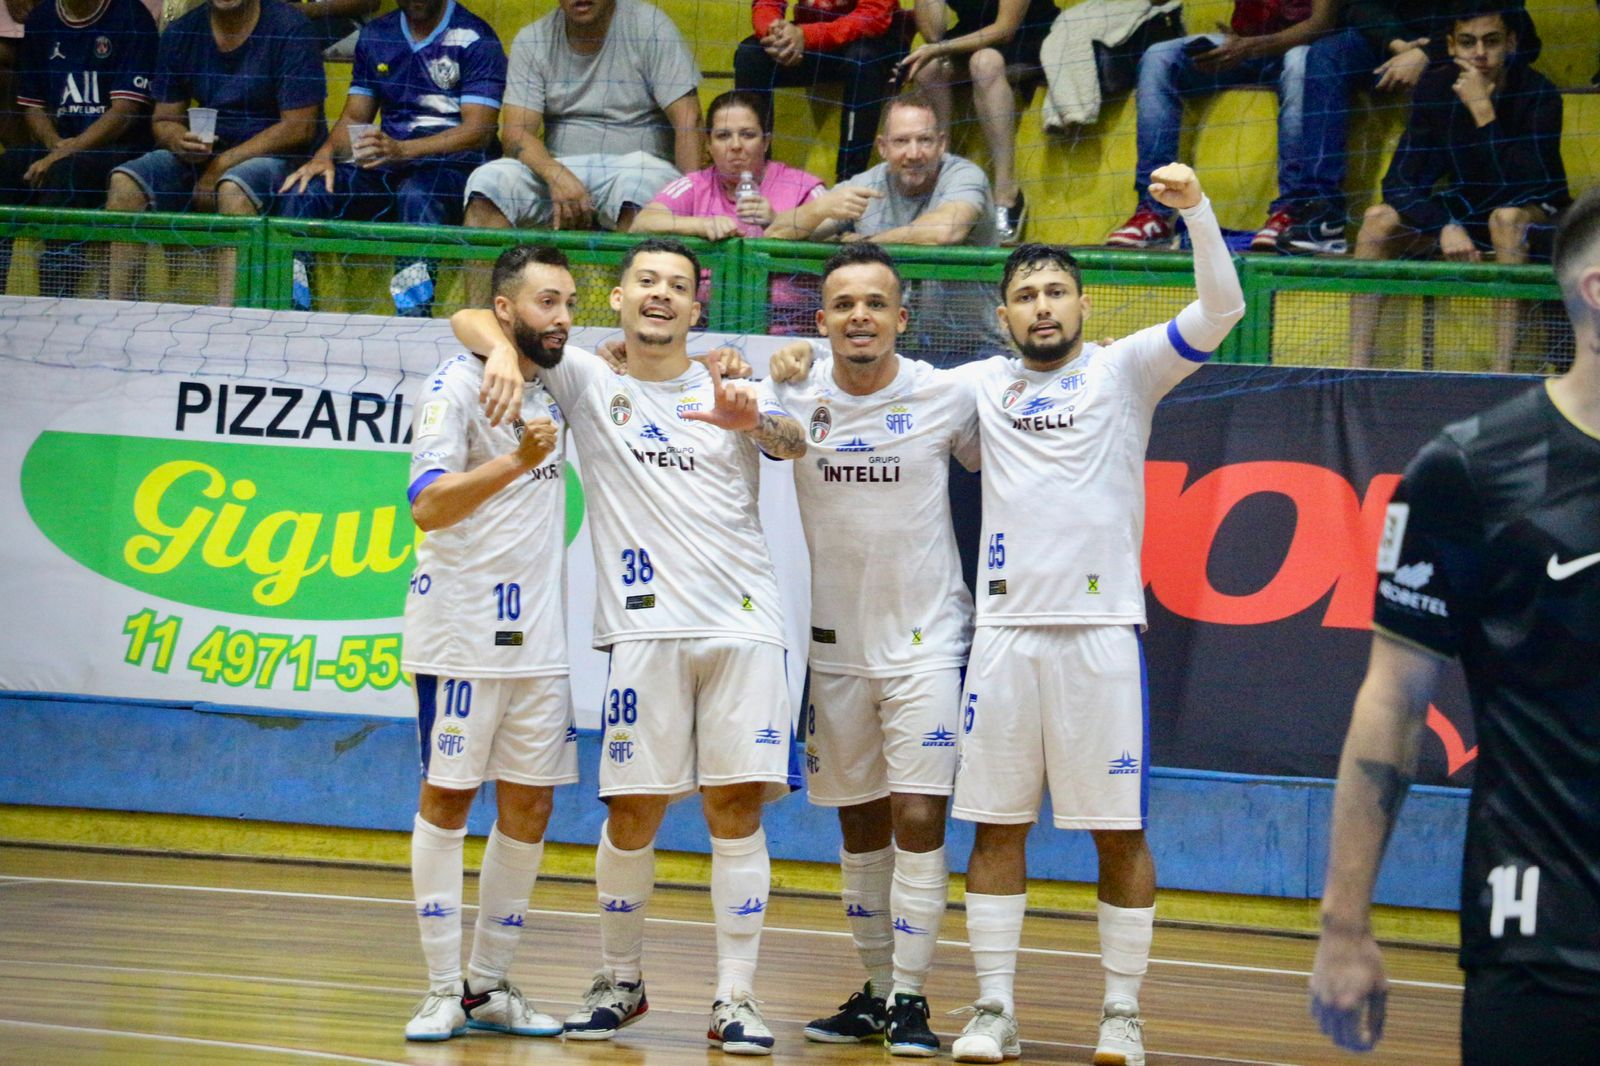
[(132, 959)]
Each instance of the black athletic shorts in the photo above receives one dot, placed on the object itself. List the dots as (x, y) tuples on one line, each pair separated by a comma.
[(1514, 1015)]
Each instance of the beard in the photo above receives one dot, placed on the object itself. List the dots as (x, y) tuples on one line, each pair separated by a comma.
[(530, 343), (1049, 352)]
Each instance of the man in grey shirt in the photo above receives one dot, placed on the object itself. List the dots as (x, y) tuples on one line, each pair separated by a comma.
[(600, 104), (919, 194)]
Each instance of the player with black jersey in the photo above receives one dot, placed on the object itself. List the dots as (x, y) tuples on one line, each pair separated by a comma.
[(1492, 553)]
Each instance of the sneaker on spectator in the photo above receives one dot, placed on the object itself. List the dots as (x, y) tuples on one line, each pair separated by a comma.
[(1009, 221), (1121, 1037), (1320, 232), (503, 1009), (908, 1034), (738, 1028), (439, 1016), (861, 1017), (1146, 229), (1266, 238), (608, 1006), (991, 1035)]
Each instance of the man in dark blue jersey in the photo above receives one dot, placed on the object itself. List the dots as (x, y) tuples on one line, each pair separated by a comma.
[(84, 88), (1491, 553), (257, 64), (436, 72)]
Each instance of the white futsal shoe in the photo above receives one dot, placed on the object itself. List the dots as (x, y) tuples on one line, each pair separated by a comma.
[(738, 1028), (439, 1016), (991, 1035), (1121, 1037), (504, 1009)]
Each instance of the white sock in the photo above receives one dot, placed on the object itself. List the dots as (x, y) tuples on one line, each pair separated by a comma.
[(741, 878), (436, 884), (994, 929), (921, 887), (510, 868), (865, 879), (1125, 935), (624, 881)]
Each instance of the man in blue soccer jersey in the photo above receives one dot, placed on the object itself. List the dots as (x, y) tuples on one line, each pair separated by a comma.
[(485, 638), (84, 88), (686, 603), (256, 63), (1491, 554), (436, 73)]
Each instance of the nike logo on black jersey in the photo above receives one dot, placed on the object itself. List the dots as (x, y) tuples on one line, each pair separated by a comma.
[(1560, 571)]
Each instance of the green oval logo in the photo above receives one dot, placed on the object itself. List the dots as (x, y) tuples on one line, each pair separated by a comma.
[(313, 533)]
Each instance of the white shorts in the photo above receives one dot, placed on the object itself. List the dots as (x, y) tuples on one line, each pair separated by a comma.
[(683, 714), (866, 737), (614, 182), (477, 729), (1063, 704)]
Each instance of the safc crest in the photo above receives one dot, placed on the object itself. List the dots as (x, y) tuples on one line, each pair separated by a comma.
[(898, 420), (1013, 393), (444, 71), (821, 425), (621, 409)]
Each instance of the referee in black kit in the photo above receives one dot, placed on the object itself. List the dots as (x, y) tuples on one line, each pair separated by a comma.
[(1491, 552)]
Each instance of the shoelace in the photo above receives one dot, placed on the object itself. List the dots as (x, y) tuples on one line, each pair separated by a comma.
[(746, 1008), (1123, 1028), (430, 1002)]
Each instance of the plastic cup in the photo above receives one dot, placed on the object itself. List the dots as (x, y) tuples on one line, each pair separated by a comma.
[(203, 123), (358, 130)]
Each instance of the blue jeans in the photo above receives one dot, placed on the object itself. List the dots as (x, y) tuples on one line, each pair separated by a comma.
[(1336, 65), (1166, 76), (426, 193)]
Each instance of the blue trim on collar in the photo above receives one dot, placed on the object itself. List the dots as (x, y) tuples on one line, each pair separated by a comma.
[(444, 22), (1183, 347)]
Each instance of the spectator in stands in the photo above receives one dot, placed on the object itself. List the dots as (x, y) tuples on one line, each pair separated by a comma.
[(1266, 44), (706, 203), (334, 20), (600, 104), (919, 194), (1478, 166), (13, 14), (436, 73), (853, 42), (1000, 40), (257, 64), (84, 86), (1383, 45), (1093, 48)]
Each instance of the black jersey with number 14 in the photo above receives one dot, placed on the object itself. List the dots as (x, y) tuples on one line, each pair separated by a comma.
[(1492, 554)]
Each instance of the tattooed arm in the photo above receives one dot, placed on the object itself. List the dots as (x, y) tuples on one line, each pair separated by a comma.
[(779, 436), (1376, 769)]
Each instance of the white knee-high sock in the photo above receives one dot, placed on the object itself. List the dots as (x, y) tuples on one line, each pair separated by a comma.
[(741, 878), (1125, 935), (994, 929), (865, 889), (510, 868), (436, 884), (624, 881), (921, 888)]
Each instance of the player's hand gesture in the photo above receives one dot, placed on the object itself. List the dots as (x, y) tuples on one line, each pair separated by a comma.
[(730, 361), (1175, 185), (501, 392), (791, 362), (1349, 992), (734, 404), (536, 440)]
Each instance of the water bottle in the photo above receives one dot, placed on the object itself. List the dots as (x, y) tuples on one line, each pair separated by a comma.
[(747, 187)]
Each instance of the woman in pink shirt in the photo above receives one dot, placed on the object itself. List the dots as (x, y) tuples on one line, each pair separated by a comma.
[(705, 203)]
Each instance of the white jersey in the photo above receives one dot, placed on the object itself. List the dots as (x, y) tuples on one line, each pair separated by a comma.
[(887, 598), (678, 547), (1063, 481), (488, 597)]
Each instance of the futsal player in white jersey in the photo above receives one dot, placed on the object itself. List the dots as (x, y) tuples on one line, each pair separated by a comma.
[(687, 603), (1055, 688), (891, 622), (485, 641)]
